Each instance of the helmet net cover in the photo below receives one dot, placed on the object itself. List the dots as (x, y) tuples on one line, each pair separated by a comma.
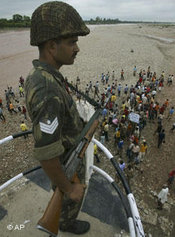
[(53, 20)]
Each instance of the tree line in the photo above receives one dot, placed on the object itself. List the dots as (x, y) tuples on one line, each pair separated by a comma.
[(99, 20), (16, 21), (25, 21)]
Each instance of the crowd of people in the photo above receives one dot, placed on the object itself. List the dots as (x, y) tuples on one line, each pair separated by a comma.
[(119, 101), (14, 104)]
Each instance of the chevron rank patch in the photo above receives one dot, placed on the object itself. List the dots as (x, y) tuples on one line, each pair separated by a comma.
[(48, 126)]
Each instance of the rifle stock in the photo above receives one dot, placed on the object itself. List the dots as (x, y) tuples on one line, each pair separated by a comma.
[(50, 220)]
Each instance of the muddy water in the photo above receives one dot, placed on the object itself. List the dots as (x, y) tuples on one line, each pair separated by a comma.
[(16, 56)]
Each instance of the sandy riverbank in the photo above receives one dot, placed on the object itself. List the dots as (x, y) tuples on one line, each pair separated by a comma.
[(108, 48)]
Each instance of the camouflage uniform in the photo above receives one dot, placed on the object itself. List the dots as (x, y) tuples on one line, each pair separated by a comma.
[(56, 121)]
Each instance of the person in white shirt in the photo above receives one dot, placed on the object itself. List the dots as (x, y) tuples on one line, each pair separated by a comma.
[(162, 197), (154, 92)]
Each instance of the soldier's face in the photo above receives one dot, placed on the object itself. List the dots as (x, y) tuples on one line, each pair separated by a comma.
[(66, 51)]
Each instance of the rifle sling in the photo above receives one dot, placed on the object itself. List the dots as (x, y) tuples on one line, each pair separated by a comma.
[(90, 100)]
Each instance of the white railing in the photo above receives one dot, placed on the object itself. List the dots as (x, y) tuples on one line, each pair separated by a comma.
[(135, 218)]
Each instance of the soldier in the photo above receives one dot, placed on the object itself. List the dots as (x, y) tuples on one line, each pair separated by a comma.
[(55, 27)]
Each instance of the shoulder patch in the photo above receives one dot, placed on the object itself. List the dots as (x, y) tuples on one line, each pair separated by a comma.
[(48, 126)]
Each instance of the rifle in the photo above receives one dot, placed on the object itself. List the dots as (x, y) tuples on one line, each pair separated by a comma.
[(50, 220)]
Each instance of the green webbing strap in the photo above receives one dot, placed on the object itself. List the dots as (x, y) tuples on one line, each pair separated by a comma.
[(90, 100), (57, 74)]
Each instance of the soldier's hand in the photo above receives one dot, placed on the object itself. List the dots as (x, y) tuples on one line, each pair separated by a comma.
[(77, 192)]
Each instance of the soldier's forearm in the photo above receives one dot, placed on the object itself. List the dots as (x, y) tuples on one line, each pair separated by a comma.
[(56, 174)]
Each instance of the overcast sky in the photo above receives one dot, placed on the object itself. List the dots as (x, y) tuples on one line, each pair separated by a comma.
[(146, 10)]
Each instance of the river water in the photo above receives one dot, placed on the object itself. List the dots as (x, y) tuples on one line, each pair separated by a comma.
[(16, 56)]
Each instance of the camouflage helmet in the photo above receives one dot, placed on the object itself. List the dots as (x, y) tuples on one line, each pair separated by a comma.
[(53, 20)]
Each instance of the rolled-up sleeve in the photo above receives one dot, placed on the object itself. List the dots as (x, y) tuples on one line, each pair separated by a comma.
[(48, 152)]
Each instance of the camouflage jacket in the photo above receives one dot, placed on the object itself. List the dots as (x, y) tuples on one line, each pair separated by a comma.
[(56, 121)]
